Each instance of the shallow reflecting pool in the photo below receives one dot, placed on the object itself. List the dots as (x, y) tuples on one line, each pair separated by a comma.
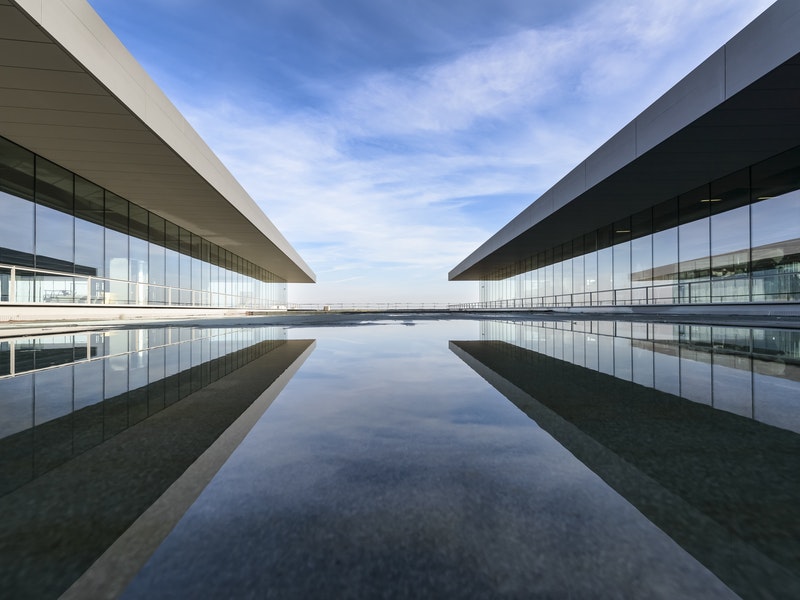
[(402, 459)]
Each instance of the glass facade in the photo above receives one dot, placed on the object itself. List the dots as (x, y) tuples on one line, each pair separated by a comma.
[(736, 239), (66, 240)]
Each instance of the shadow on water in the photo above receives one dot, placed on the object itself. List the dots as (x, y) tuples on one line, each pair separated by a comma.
[(723, 485), (97, 426)]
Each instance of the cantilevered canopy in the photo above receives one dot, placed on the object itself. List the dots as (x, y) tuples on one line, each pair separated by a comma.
[(71, 92), (740, 106)]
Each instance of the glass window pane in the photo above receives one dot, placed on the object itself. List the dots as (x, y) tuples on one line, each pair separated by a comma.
[(16, 230), (605, 271), (186, 279), (16, 170), (54, 186), (730, 255), (89, 248), (776, 248), (116, 213), (197, 244), (665, 256), (590, 271), (730, 241), (55, 241), (172, 236), (172, 261), (196, 274), (205, 275), (695, 263), (156, 229), (665, 265), (547, 274), (695, 205), (578, 275), (172, 269), (138, 222), (566, 274), (89, 233), (185, 238), (558, 282), (622, 266), (139, 258), (693, 250), (642, 261), (54, 223), (157, 261), (89, 201), (117, 267)]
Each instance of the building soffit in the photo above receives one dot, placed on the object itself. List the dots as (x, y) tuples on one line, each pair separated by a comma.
[(71, 92), (740, 106)]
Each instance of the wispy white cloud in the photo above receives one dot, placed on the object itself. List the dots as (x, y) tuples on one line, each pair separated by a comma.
[(372, 190), (487, 83)]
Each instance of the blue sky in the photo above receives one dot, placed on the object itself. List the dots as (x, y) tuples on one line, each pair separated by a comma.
[(388, 139)]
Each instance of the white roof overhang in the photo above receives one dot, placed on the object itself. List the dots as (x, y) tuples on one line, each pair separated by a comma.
[(71, 92)]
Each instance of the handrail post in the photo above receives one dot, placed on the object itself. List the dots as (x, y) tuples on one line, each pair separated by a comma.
[(88, 290), (12, 285)]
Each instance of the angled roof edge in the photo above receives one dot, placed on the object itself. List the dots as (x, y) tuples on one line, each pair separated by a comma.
[(169, 169), (713, 95)]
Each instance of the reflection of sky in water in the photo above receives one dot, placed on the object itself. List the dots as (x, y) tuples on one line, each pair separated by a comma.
[(387, 463), (58, 375), (388, 466)]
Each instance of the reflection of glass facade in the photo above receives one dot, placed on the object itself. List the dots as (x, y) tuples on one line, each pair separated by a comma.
[(62, 395), (655, 410), (753, 373), (65, 240), (736, 239)]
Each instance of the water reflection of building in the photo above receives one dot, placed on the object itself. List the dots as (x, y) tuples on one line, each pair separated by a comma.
[(108, 196), (751, 372), (95, 427), (694, 202), (722, 486), (61, 395)]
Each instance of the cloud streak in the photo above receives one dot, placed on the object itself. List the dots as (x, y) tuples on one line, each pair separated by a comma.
[(387, 184)]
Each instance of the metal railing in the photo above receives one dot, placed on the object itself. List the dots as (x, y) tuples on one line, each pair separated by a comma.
[(373, 306), (783, 287), (30, 285)]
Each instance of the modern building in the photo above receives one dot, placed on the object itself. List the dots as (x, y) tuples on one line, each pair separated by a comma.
[(109, 201), (695, 202)]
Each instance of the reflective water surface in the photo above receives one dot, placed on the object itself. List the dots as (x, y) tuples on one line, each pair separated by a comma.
[(402, 459)]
